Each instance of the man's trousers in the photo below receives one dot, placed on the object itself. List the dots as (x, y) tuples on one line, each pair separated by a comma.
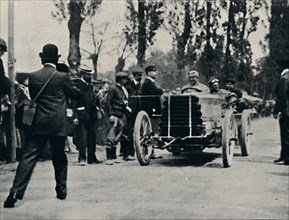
[(284, 133), (31, 152)]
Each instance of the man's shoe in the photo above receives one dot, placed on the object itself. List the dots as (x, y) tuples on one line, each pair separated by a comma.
[(61, 196), (118, 160), (278, 160), (82, 163), (282, 163), (109, 162), (10, 201), (95, 162), (129, 158), (154, 156)]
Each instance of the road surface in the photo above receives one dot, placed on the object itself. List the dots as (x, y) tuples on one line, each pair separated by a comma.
[(175, 187)]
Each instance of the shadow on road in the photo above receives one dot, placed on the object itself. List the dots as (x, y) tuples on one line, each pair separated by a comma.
[(199, 159), (279, 174)]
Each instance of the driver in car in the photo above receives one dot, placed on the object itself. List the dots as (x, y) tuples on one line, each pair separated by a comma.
[(194, 85)]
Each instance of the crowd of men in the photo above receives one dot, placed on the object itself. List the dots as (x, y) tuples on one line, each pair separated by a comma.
[(78, 106)]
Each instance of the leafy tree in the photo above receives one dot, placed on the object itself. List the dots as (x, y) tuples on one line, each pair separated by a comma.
[(242, 21), (211, 60), (76, 11), (149, 19), (97, 45), (182, 20), (167, 69), (278, 46), (131, 35)]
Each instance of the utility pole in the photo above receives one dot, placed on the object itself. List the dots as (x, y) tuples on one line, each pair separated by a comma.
[(11, 139)]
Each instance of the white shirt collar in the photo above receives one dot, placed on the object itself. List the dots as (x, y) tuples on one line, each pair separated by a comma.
[(136, 82), (50, 64), (150, 78)]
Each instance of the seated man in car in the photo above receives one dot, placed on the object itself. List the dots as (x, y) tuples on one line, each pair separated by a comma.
[(194, 85)]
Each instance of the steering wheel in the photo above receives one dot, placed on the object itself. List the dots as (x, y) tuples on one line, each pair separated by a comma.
[(188, 90)]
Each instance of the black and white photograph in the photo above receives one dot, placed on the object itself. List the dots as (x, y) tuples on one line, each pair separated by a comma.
[(144, 109)]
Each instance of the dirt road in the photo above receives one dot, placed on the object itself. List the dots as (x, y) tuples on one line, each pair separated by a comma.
[(175, 187)]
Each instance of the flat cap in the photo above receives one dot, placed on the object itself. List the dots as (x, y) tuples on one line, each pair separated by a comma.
[(136, 71), (98, 81), (213, 81), (151, 68), (193, 73), (122, 75)]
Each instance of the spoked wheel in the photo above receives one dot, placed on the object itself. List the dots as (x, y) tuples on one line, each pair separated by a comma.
[(142, 131), (228, 138), (245, 136)]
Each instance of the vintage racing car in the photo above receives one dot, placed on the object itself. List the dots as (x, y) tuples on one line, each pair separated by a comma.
[(190, 123)]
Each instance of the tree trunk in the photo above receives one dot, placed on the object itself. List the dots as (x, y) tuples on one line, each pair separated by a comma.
[(94, 59), (228, 64), (74, 26), (229, 28), (141, 34), (120, 65), (183, 38)]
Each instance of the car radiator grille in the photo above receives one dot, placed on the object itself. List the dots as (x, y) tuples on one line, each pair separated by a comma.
[(181, 117)]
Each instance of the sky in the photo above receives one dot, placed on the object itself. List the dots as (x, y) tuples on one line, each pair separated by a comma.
[(35, 27)]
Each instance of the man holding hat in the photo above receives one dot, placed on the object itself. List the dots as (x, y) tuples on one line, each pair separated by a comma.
[(117, 107), (49, 124), (194, 85), (5, 86), (281, 111)]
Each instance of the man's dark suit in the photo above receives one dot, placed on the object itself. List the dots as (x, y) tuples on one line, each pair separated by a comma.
[(282, 106), (151, 102), (127, 145), (84, 109), (5, 86), (49, 124)]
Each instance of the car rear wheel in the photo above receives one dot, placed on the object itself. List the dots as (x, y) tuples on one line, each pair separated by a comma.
[(228, 138), (142, 132), (245, 137)]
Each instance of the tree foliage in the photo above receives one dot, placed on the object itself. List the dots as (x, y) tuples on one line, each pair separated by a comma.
[(75, 11), (148, 17), (278, 46)]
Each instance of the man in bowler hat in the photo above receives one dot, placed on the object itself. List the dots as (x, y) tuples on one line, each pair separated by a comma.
[(49, 124), (281, 111)]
